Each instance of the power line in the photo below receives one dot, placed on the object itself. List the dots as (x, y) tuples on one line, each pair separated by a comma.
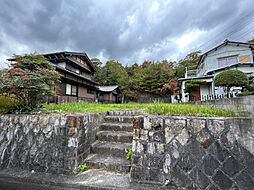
[(229, 34), (219, 38), (231, 26)]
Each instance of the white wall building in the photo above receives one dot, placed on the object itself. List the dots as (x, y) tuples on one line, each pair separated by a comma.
[(228, 55)]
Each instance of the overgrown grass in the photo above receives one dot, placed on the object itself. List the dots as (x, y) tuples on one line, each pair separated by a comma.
[(84, 107), (187, 109), (154, 108)]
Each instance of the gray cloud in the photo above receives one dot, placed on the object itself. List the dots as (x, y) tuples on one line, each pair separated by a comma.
[(128, 31)]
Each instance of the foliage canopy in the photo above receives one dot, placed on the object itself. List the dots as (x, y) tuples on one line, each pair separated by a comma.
[(153, 76), (29, 79), (190, 61), (230, 78)]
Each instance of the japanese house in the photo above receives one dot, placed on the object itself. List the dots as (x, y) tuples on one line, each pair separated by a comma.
[(76, 81)]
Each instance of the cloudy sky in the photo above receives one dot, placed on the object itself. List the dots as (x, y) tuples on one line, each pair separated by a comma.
[(128, 31)]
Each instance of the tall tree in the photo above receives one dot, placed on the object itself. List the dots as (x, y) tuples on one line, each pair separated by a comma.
[(113, 73), (96, 62), (152, 76), (190, 61), (131, 69)]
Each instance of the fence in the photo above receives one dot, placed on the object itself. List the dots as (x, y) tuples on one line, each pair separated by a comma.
[(151, 99), (218, 96)]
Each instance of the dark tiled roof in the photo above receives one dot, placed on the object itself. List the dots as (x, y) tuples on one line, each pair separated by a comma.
[(69, 53)]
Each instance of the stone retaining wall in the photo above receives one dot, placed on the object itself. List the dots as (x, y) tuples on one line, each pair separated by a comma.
[(50, 143), (151, 99), (193, 152), (241, 104)]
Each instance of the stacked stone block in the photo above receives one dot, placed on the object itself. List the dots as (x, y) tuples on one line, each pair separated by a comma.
[(193, 152), (49, 143)]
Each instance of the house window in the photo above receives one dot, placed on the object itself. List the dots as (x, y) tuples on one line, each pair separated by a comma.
[(225, 61), (71, 89), (77, 71), (68, 89)]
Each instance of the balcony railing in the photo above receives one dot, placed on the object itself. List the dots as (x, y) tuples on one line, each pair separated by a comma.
[(191, 73)]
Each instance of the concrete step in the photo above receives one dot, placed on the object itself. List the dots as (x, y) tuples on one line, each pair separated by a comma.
[(124, 113), (117, 136), (100, 161), (111, 148), (116, 127), (118, 119)]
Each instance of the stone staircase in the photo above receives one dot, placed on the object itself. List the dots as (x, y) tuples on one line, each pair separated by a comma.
[(113, 142)]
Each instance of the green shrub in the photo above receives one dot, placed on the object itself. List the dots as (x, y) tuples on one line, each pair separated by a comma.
[(7, 103), (83, 168), (250, 88), (246, 93), (30, 79), (129, 155), (230, 78)]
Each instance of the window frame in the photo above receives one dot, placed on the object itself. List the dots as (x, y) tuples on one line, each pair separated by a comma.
[(70, 89), (226, 59)]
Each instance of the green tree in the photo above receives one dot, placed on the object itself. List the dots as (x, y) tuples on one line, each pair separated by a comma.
[(113, 73), (131, 69), (190, 61), (230, 78), (151, 76), (96, 62), (30, 79)]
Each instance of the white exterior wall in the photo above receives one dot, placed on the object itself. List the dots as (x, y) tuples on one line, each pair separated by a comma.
[(62, 64), (184, 99), (204, 91), (211, 59)]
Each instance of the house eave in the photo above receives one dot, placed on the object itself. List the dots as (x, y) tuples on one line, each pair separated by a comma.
[(76, 75), (230, 66)]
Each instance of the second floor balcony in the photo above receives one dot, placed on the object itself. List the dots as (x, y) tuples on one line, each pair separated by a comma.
[(191, 73)]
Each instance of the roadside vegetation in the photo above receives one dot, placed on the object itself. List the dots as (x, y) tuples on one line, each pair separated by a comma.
[(155, 108)]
